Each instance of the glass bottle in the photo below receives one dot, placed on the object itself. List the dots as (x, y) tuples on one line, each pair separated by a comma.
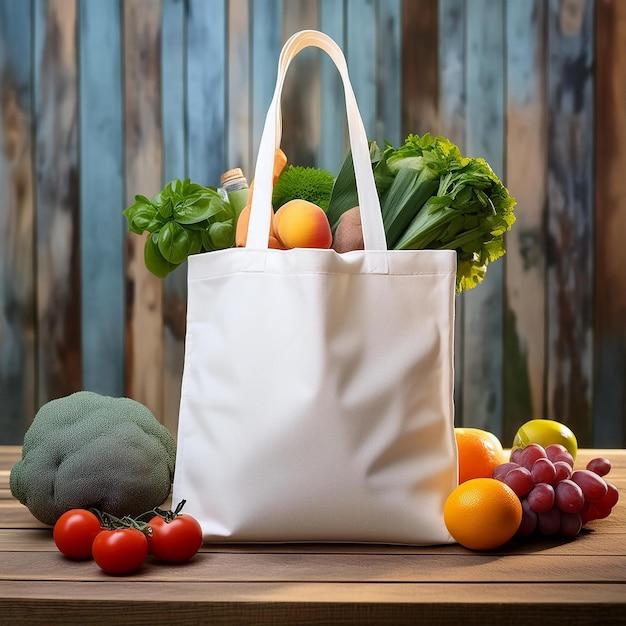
[(234, 183)]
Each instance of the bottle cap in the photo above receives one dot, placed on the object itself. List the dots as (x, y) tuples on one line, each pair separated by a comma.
[(231, 175)]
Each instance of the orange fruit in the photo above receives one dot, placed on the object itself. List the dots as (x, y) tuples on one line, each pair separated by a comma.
[(479, 452), (482, 513)]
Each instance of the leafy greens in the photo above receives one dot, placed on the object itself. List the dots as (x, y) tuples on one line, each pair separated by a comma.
[(184, 218), (433, 197)]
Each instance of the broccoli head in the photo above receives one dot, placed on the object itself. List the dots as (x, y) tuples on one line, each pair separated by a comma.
[(88, 450), (304, 183)]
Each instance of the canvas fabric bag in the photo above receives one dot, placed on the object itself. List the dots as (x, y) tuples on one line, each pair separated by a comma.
[(317, 394)]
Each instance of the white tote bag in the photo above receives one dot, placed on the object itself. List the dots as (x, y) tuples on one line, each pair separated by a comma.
[(317, 394)]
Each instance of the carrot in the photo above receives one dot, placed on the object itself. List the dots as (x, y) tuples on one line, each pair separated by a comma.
[(241, 233)]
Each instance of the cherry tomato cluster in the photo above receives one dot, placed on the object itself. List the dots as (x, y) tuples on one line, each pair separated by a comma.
[(120, 546)]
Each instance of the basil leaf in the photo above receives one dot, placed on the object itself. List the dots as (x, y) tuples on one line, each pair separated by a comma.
[(156, 223), (139, 199), (222, 234), (166, 207), (139, 216), (195, 237), (207, 242), (196, 208), (143, 219), (174, 243), (154, 260)]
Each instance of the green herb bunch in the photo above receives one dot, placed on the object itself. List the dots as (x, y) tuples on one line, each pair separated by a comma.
[(184, 218)]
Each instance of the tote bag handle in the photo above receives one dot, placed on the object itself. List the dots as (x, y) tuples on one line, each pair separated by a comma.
[(371, 217)]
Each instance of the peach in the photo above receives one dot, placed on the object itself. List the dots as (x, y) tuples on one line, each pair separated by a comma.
[(302, 224)]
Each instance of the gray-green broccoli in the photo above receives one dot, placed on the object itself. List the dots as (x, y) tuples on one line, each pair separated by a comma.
[(89, 450)]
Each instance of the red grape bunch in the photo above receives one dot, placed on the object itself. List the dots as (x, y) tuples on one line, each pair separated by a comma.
[(555, 497)]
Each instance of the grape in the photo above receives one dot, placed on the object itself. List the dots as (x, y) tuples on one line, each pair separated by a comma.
[(549, 522), (541, 497), (520, 480), (569, 497), (529, 520), (599, 512), (612, 496), (570, 524), (602, 508), (543, 471), (589, 512), (599, 466), (530, 454), (593, 486), (556, 498), (563, 471), (564, 456), (500, 471), (554, 450)]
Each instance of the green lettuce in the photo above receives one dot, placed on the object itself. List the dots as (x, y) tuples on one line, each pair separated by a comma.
[(434, 198)]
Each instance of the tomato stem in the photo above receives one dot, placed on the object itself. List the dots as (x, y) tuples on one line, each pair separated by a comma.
[(168, 516), (110, 522)]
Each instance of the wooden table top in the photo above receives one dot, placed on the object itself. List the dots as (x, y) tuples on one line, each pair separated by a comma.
[(555, 581)]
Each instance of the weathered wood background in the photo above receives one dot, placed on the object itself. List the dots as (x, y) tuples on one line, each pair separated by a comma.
[(104, 99)]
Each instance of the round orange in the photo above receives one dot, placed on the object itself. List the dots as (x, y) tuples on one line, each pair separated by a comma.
[(482, 513), (479, 452)]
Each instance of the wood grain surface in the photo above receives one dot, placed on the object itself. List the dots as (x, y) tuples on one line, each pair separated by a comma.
[(452, 114), (143, 164), (18, 341), (525, 267), (570, 213), (104, 100), (174, 133), (549, 580), (101, 194), (56, 165), (609, 222), (482, 332)]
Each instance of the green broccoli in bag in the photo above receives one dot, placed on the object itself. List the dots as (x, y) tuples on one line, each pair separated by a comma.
[(88, 450)]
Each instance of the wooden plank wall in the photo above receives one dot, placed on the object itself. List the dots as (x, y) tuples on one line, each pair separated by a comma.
[(102, 100)]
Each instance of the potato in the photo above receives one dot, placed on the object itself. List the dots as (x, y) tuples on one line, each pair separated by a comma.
[(349, 235)]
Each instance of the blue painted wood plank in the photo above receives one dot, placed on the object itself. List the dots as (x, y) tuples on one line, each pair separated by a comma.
[(525, 266), (483, 306), (173, 51), (389, 84), (57, 199), (206, 89), (360, 51), (101, 197), (333, 125), (452, 70), (267, 41), (17, 258), (452, 110), (301, 91), (239, 79), (570, 214)]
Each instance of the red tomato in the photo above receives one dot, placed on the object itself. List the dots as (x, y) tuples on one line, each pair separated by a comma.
[(74, 533), (120, 551), (176, 540)]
